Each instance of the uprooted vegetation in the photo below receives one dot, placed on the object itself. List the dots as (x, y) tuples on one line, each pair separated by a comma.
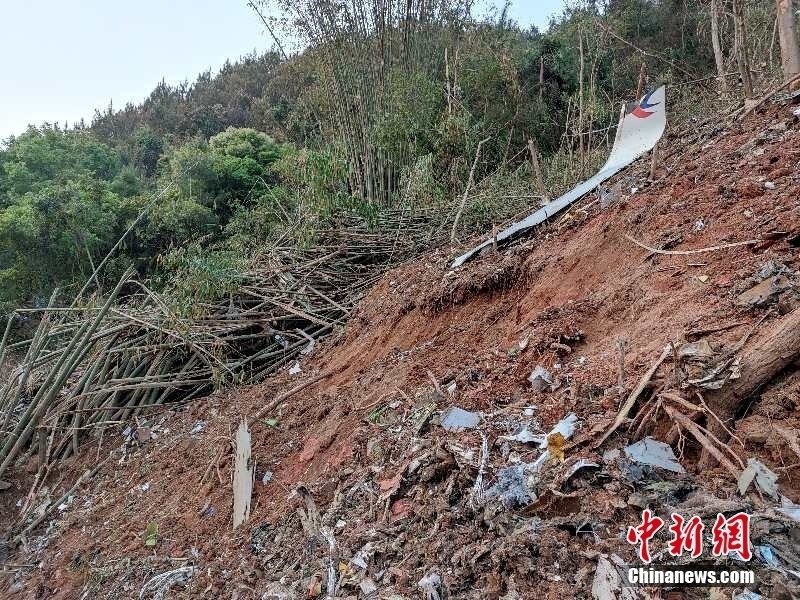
[(104, 362)]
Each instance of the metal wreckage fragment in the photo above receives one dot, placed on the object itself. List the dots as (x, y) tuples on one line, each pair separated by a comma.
[(639, 130)]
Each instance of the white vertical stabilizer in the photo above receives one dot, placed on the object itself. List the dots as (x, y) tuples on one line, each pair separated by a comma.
[(638, 132)]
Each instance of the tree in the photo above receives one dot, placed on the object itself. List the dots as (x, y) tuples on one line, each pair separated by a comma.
[(214, 181), (147, 149), (361, 49), (790, 51), (742, 58), (61, 196), (49, 237), (716, 11)]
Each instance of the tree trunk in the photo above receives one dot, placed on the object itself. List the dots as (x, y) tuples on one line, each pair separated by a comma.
[(580, 100), (775, 350), (640, 84), (537, 171), (716, 11), (541, 78), (742, 59), (790, 51)]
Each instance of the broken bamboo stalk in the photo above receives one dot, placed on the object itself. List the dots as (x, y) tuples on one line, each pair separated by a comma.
[(537, 170), (88, 367), (243, 473), (288, 394), (626, 408), (470, 181)]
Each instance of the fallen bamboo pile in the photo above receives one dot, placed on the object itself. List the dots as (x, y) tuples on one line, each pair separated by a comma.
[(102, 363)]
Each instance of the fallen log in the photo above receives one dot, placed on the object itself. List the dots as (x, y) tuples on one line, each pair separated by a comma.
[(772, 352)]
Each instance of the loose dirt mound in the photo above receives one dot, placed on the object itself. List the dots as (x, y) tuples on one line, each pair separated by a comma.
[(397, 491)]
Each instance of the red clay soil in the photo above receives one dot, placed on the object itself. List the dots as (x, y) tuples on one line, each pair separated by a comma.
[(365, 442)]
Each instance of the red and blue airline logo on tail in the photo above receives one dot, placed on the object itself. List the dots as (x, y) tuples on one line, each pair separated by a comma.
[(641, 111)]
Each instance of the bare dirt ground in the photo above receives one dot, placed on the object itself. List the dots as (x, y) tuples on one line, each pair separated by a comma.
[(397, 490)]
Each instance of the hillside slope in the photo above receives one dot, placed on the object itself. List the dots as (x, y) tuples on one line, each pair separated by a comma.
[(363, 443)]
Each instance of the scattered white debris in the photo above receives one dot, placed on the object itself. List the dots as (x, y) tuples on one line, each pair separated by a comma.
[(540, 379), (362, 557), (160, 584), (267, 477), (606, 582), (242, 476), (458, 419), (277, 591), (295, 368), (770, 185), (431, 586), (767, 554), (478, 494), (790, 509), (198, 427), (368, 587), (654, 453), (581, 463), (145, 486), (766, 480), (565, 427), (524, 436), (309, 347)]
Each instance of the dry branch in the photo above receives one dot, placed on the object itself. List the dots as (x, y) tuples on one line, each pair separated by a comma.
[(626, 408), (694, 251), (467, 189), (683, 421)]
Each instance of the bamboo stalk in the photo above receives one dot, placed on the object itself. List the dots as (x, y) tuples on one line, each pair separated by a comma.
[(90, 367)]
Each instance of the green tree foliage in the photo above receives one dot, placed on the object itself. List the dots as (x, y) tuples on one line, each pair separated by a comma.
[(66, 197), (214, 180), (147, 149), (46, 155), (61, 204)]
